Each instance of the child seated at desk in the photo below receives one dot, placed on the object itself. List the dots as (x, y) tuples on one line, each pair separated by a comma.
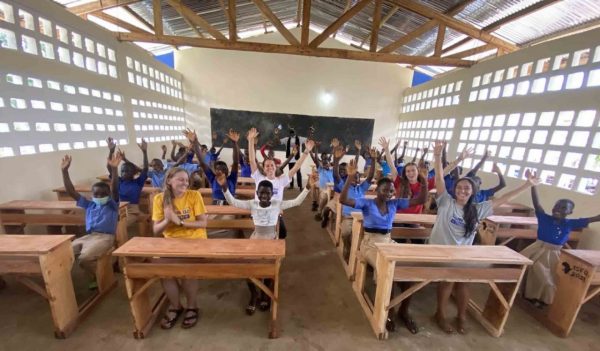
[(179, 213), (456, 223), (552, 233), (378, 216), (265, 213), (320, 195), (101, 218)]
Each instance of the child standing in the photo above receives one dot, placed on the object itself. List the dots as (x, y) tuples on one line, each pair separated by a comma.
[(265, 212), (553, 232), (101, 217), (179, 213), (456, 222)]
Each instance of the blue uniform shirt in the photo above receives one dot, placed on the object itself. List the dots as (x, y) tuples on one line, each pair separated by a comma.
[(373, 218), (355, 192), (246, 169), (158, 178), (100, 218), (130, 190), (385, 169), (217, 192), (325, 176), (484, 195), (557, 232)]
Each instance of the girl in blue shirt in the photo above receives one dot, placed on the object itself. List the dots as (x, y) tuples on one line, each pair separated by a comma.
[(378, 216), (553, 232)]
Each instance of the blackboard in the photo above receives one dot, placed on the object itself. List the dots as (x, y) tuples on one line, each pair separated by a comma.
[(326, 128)]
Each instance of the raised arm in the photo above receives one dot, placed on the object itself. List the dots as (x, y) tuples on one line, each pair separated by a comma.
[(137, 168), (475, 169), (532, 181), (422, 198), (315, 155), (111, 150), (312, 180), (174, 144), (358, 146), (246, 204), (371, 173), (251, 136), (338, 153), (395, 148), (164, 152), (501, 181), (235, 137), (404, 145), (293, 152), (113, 163), (307, 148), (182, 159), (385, 144), (262, 151), (195, 145), (69, 188), (444, 158), (414, 160), (144, 147), (466, 153), (344, 194), (534, 195), (440, 184)]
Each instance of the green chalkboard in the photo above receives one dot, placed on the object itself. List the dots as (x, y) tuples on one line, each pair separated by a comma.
[(325, 128)]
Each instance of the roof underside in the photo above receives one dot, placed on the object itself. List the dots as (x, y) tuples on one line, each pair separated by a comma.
[(557, 17)]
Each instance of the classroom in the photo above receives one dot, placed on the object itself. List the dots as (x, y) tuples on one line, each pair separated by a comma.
[(300, 174)]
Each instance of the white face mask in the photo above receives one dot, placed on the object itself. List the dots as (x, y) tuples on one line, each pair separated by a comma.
[(101, 201)]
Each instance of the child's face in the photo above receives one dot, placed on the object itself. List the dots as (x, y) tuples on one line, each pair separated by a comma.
[(179, 182), (562, 209), (196, 181), (264, 195), (221, 167), (343, 171), (100, 191), (127, 171), (213, 150), (157, 165), (385, 191), (326, 164)]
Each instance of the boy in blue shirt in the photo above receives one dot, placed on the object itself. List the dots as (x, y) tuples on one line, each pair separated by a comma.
[(101, 217), (553, 232), (320, 194), (484, 195)]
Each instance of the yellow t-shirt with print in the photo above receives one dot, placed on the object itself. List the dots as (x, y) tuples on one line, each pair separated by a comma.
[(187, 208)]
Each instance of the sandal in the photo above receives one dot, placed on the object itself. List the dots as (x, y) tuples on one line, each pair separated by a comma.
[(409, 323), (250, 309), (265, 305), (190, 320), (390, 325), (168, 323)]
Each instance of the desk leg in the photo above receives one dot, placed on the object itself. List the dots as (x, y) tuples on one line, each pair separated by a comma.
[(357, 234), (274, 327), (56, 270), (572, 287), (385, 281)]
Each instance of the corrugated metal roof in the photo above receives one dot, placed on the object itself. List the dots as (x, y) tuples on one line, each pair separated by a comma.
[(551, 19)]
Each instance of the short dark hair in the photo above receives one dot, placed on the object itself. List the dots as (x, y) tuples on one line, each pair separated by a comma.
[(383, 181), (343, 164), (102, 185), (266, 184), (567, 201), (220, 163)]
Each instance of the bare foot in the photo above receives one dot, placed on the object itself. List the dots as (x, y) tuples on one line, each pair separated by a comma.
[(443, 324), (409, 322), (460, 325)]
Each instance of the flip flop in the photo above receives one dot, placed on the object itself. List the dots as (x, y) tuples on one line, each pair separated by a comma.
[(410, 324), (168, 323), (250, 309), (190, 321)]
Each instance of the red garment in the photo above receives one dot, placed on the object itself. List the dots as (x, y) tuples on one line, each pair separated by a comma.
[(262, 152), (415, 189)]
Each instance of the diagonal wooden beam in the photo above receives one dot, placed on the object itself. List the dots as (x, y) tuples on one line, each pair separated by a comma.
[(117, 22), (138, 17), (376, 26), (232, 17), (510, 18), (185, 11), (455, 24), (471, 52), (345, 17), (305, 22), (157, 13), (293, 50), (427, 26), (98, 5), (383, 21), (266, 11), (439, 42), (194, 28), (348, 3)]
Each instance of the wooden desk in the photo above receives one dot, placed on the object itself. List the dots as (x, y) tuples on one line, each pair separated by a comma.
[(105, 178), (508, 228), (425, 220), (147, 193), (245, 194), (578, 281), (514, 209), (498, 266), (204, 259), (16, 214)]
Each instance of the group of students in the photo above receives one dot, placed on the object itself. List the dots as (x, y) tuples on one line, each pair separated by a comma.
[(179, 212)]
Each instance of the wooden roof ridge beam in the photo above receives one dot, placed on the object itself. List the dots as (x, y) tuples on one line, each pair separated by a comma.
[(345, 17), (138, 17), (383, 21), (293, 50), (455, 24), (427, 26), (117, 22), (471, 52), (305, 22), (439, 42), (98, 5), (376, 26), (157, 13), (232, 18), (266, 11), (510, 18), (185, 11)]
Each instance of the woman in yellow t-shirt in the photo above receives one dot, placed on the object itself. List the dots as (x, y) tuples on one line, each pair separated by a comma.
[(179, 213)]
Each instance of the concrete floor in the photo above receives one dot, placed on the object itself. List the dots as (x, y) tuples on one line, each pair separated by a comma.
[(318, 312)]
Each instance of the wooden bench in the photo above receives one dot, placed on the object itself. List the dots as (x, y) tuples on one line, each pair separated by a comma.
[(578, 282), (425, 220), (204, 259), (245, 194), (106, 179), (498, 266), (51, 256), (504, 229), (514, 209)]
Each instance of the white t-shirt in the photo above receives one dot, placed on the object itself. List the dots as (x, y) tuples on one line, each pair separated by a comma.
[(279, 184), (284, 141), (449, 228), (266, 216)]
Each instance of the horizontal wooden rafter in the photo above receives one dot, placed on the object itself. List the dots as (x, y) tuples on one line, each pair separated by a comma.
[(471, 52), (99, 5), (185, 11), (293, 50), (455, 24)]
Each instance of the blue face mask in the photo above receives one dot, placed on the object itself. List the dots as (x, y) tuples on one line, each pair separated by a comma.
[(100, 201)]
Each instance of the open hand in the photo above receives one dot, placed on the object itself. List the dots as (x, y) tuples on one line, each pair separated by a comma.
[(308, 146), (438, 147), (466, 153), (65, 163), (357, 144), (532, 178), (496, 168), (252, 134), (233, 135), (384, 143), (111, 144), (339, 152), (190, 135), (114, 161), (143, 145), (335, 142), (163, 148), (351, 169)]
